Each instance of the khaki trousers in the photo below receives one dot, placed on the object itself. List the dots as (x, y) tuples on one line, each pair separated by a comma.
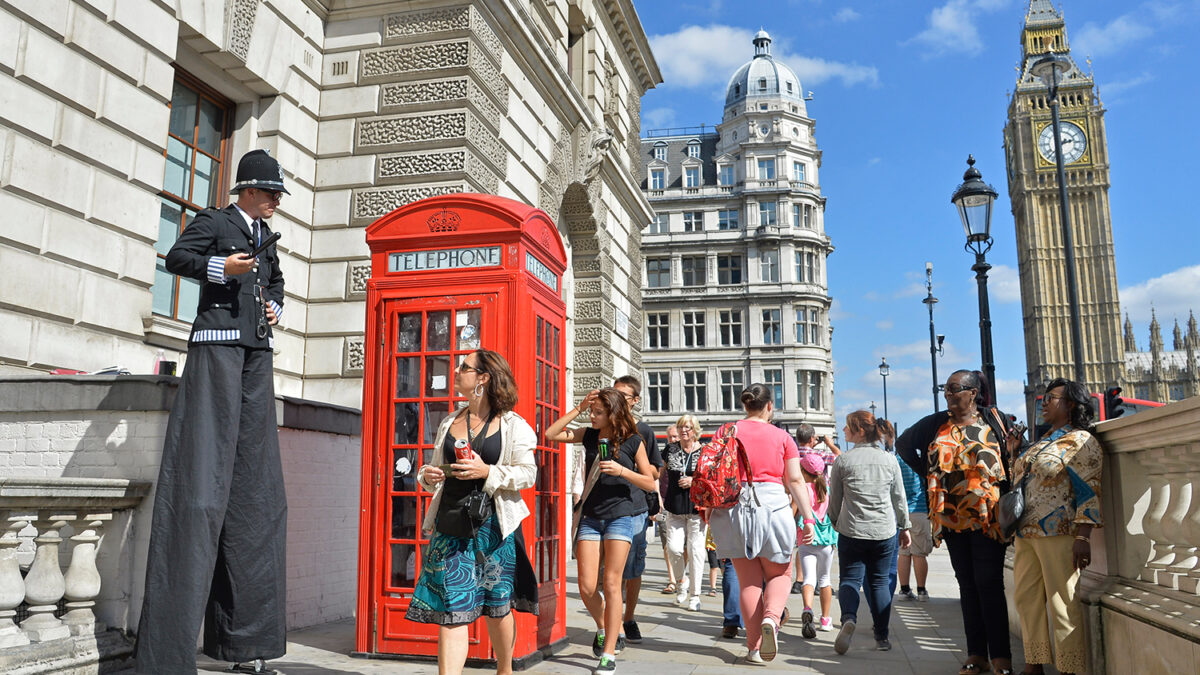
[(1046, 586)]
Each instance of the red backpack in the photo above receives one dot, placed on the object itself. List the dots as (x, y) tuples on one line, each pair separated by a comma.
[(717, 481)]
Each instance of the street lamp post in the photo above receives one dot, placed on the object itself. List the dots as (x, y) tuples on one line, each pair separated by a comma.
[(974, 200), (872, 407), (930, 301), (1046, 69), (884, 371)]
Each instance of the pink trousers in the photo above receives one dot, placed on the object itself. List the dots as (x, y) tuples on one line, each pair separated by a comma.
[(764, 589)]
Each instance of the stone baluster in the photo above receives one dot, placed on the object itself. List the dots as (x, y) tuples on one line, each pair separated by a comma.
[(1160, 496), (1174, 522), (44, 583), (1191, 583), (82, 578), (12, 586)]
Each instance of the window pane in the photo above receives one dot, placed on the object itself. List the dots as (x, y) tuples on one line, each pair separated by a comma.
[(204, 185), (467, 322), (183, 112), (169, 217), (163, 290), (437, 333), (179, 165), (208, 137), (437, 376), (408, 376), (189, 295), (408, 416), (408, 338)]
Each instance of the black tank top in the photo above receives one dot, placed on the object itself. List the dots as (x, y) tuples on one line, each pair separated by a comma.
[(457, 488)]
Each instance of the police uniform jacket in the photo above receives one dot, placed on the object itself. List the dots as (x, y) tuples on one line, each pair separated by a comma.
[(228, 312)]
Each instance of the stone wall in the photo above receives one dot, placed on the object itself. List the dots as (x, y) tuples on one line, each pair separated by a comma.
[(107, 427)]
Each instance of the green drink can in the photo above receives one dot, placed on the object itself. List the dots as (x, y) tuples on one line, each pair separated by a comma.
[(602, 450)]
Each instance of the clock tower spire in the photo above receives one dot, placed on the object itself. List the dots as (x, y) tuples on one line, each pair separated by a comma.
[(1033, 190)]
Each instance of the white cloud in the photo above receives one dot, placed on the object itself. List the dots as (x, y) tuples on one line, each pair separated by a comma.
[(706, 56), (1112, 90), (1094, 40), (951, 28), (874, 160), (659, 118), (885, 325), (1004, 285), (1173, 293), (837, 312), (845, 15)]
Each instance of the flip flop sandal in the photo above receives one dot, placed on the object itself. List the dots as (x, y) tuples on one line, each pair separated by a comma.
[(974, 668), (669, 588)]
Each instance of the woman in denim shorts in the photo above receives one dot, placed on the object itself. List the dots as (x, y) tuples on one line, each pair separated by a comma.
[(612, 510)]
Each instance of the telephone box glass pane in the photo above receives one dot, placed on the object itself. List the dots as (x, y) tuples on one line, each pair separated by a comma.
[(404, 565), (541, 327), (404, 470), (467, 323), (407, 415), (554, 397), (437, 332), (556, 360), (404, 518), (408, 377), (437, 372), (435, 412), (408, 333)]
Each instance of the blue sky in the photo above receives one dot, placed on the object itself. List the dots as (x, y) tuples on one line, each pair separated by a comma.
[(904, 91)]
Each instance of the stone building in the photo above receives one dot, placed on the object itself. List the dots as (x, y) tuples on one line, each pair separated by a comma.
[(1160, 374), (1033, 190), (119, 120), (735, 289)]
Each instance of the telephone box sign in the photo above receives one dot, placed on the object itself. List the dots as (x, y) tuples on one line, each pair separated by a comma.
[(444, 259), (538, 269)]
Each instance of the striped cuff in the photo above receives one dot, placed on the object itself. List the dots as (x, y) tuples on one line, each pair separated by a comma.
[(216, 269), (277, 308), (217, 335)]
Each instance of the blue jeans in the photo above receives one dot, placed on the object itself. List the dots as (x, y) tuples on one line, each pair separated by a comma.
[(865, 563), (635, 564), (624, 528), (730, 592), (893, 573)]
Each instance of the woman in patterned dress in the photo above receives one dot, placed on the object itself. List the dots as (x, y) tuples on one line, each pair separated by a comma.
[(1053, 544), (487, 574), (962, 452)]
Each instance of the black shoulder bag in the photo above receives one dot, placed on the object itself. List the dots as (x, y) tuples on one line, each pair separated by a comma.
[(464, 517)]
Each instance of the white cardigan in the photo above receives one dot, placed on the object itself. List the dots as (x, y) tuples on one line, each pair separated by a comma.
[(515, 471)]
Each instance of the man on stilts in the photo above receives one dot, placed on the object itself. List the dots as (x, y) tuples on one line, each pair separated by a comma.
[(217, 541)]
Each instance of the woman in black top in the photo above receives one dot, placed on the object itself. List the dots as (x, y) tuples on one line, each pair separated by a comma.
[(611, 510)]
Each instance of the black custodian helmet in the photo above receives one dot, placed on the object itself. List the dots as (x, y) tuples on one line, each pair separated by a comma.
[(258, 169)]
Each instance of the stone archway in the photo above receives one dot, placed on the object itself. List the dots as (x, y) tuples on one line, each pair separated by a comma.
[(581, 216)]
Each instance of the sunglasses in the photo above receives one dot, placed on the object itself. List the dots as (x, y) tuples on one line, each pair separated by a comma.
[(955, 389)]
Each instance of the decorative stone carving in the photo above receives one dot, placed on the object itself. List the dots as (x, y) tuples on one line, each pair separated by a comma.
[(487, 142), (44, 583), (417, 164), (370, 204), (12, 586), (389, 62), (588, 335), (82, 581), (633, 145), (239, 26), (589, 287), (422, 93), (587, 309), (599, 141), (481, 176), (385, 131), (354, 357), (357, 276), (418, 24)]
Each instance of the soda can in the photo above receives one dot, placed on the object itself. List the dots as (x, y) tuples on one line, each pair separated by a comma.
[(602, 450), (462, 451)]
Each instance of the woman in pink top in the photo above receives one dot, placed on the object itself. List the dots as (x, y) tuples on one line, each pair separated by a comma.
[(759, 532)]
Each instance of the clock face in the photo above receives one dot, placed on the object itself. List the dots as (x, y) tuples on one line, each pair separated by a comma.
[(1074, 142)]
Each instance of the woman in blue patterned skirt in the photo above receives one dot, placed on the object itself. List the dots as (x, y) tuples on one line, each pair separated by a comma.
[(474, 568)]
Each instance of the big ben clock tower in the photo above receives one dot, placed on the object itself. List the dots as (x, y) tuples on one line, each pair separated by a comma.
[(1033, 189)]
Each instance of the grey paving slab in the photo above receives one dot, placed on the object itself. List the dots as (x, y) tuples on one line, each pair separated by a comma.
[(926, 638)]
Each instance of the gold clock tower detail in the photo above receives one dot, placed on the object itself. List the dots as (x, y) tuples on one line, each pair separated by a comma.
[(1033, 188)]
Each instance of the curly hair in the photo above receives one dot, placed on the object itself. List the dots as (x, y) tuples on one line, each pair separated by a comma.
[(1081, 402), (502, 387), (623, 424)]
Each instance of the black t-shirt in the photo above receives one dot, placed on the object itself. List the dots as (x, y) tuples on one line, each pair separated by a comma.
[(612, 496), (652, 453), (679, 464), (488, 449)]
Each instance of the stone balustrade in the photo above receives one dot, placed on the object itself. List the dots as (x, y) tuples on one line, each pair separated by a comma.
[(1143, 588), (33, 514)]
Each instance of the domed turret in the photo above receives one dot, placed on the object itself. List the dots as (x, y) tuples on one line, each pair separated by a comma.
[(763, 77)]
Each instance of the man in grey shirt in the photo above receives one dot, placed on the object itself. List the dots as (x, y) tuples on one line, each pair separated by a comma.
[(867, 505)]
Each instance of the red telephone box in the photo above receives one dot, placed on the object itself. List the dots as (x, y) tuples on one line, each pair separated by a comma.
[(449, 275)]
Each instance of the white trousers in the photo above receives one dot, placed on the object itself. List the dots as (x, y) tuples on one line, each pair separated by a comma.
[(815, 562), (687, 533)]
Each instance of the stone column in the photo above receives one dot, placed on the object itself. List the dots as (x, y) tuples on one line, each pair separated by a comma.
[(44, 583), (82, 580), (12, 586), (1160, 495)]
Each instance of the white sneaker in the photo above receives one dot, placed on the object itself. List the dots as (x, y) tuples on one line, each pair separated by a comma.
[(755, 658), (694, 604), (769, 647), (682, 598)]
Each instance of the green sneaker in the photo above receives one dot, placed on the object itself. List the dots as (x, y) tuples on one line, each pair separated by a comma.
[(607, 666)]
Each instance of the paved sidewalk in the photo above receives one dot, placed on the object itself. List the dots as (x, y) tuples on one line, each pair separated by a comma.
[(926, 638)]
